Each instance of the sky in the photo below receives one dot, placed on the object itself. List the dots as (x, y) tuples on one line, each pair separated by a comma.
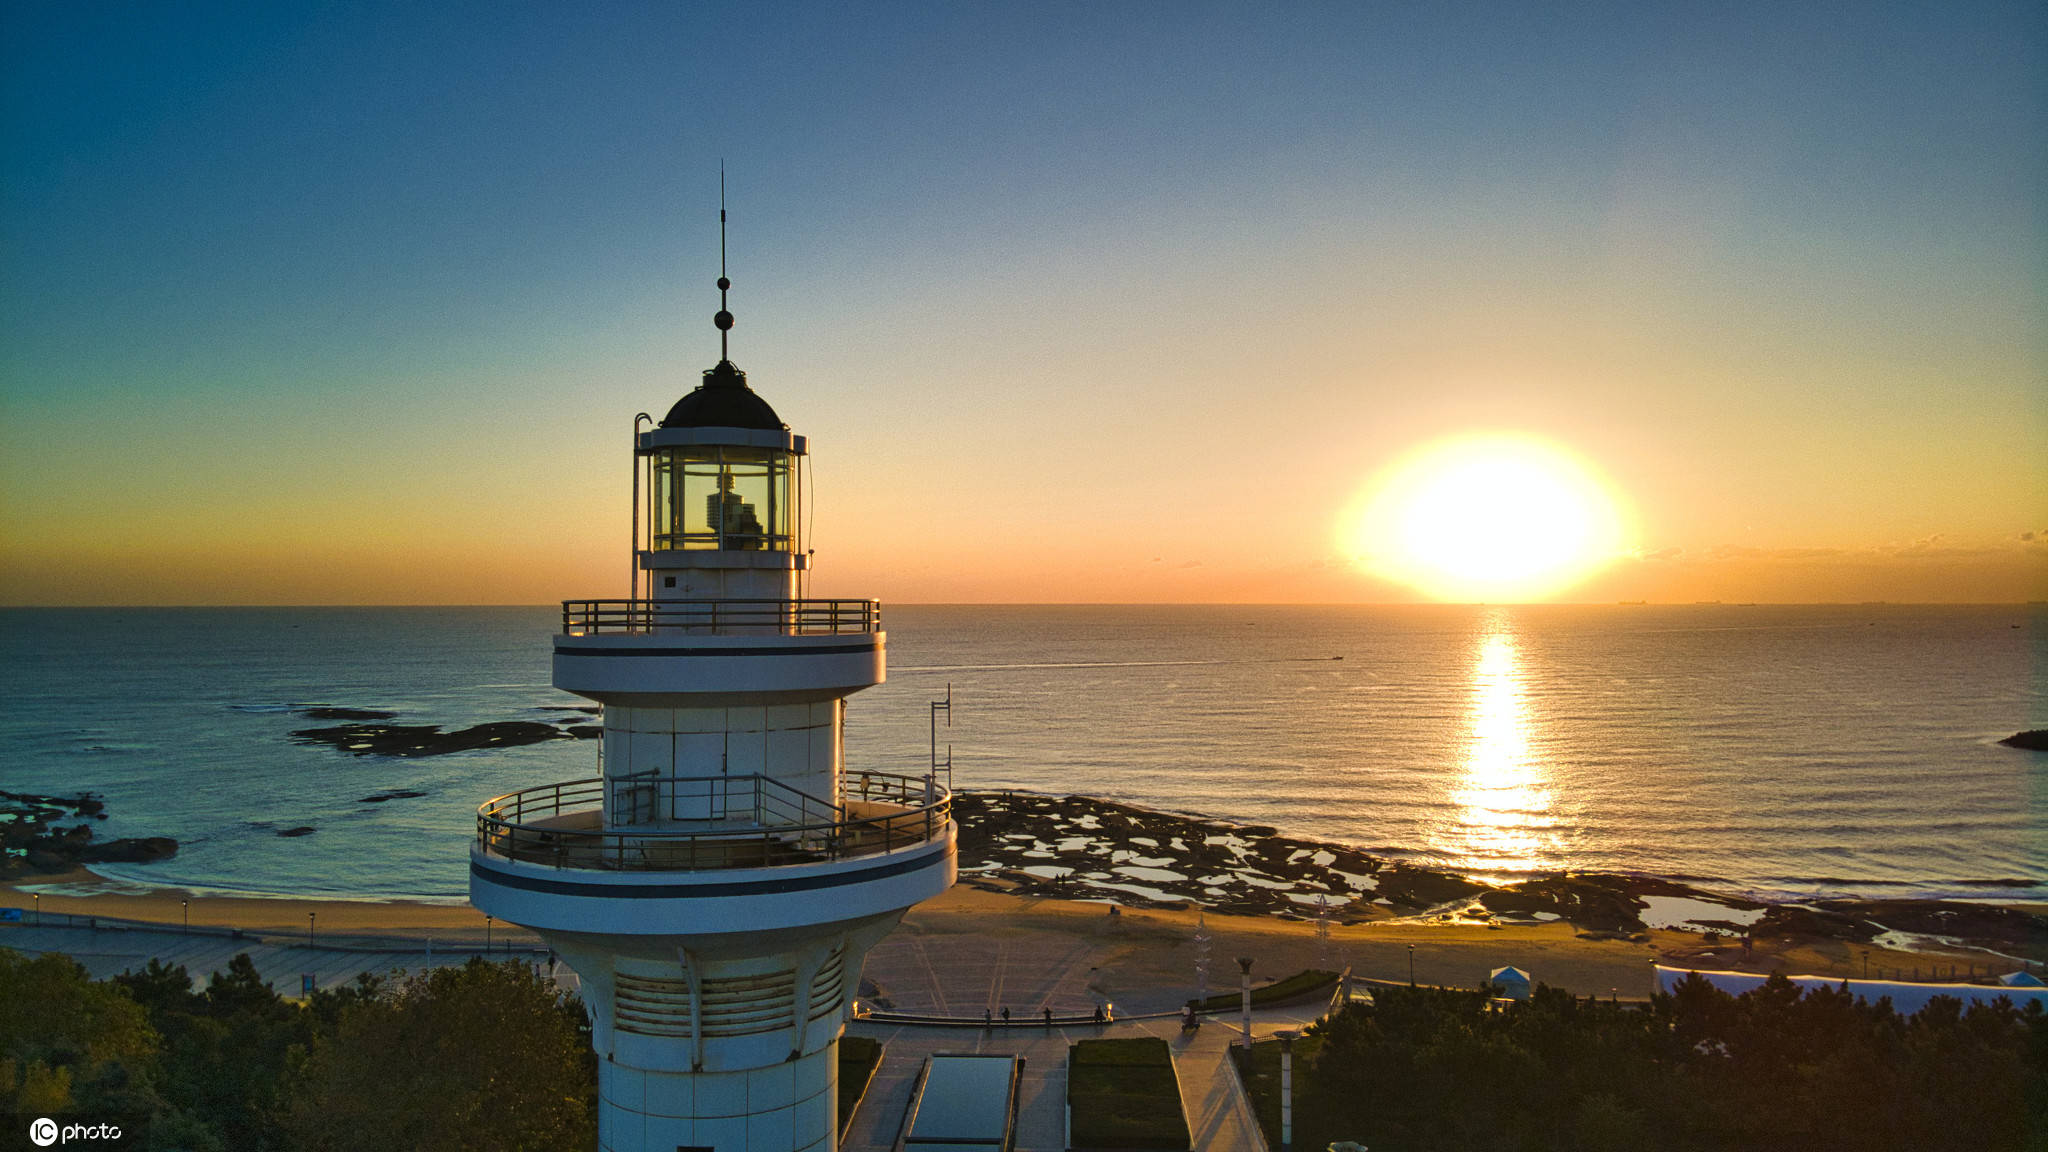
[(1098, 302)]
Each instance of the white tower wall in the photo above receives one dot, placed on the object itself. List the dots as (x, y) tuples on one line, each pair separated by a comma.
[(796, 744), (718, 887)]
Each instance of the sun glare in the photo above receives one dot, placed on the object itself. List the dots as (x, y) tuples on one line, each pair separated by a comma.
[(1494, 517)]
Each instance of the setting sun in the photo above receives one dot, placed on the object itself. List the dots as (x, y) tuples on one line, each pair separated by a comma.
[(1486, 517)]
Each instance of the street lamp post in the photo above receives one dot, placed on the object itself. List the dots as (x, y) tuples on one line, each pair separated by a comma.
[(487, 933), (309, 929), (1287, 1037), (1411, 965), (39, 908), (1244, 967), (185, 909)]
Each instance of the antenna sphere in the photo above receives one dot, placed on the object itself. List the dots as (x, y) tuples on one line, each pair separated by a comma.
[(723, 320), (723, 283)]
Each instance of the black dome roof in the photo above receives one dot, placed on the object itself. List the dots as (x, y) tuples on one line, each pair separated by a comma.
[(723, 401)]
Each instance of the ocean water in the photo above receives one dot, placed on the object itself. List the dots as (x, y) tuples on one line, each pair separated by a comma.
[(1784, 751)]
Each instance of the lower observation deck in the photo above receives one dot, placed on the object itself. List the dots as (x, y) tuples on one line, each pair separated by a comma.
[(762, 857), (747, 822)]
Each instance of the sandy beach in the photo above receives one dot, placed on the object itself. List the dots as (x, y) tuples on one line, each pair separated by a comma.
[(1134, 955)]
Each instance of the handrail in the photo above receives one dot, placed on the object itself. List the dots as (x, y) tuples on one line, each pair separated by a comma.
[(528, 826), (787, 617)]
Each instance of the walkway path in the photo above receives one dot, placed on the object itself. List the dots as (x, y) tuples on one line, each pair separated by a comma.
[(115, 947)]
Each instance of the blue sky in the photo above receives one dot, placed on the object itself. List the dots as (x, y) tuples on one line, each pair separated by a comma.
[(371, 289)]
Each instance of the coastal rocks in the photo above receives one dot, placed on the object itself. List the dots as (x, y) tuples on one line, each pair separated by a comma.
[(395, 794), (1984, 925), (1407, 886), (2034, 740), (20, 807), (1799, 921), (1079, 848), (1076, 847), (301, 830), (32, 841), (412, 740), (1601, 903), (130, 850), (323, 712)]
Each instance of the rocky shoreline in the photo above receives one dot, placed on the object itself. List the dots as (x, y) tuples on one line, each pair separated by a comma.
[(34, 842), (371, 734), (1077, 847)]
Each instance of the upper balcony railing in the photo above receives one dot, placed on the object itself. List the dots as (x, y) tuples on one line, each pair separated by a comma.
[(562, 825), (788, 617)]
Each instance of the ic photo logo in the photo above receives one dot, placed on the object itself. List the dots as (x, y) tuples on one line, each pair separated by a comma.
[(44, 1132)]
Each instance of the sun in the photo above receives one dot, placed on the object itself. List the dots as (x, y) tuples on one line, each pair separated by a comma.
[(1499, 517)]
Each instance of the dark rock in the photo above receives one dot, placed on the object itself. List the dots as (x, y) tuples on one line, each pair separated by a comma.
[(1785, 920), (1593, 902), (427, 739), (39, 845), (2002, 929), (131, 850), (324, 713), (2034, 740), (381, 797), (301, 830), (585, 731), (1411, 887)]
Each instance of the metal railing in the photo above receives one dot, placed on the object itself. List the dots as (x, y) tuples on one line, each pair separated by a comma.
[(729, 822), (788, 617)]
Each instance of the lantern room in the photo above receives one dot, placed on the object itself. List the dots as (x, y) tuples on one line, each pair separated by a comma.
[(723, 490)]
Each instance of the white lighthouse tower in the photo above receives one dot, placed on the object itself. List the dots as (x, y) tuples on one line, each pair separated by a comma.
[(718, 884)]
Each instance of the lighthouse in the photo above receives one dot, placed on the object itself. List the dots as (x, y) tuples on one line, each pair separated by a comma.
[(717, 884)]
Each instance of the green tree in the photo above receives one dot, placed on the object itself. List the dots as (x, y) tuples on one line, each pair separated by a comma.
[(486, 1057), (228, 1057), (68, 1043)]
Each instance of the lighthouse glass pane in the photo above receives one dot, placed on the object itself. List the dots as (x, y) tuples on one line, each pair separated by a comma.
[(720, 497)]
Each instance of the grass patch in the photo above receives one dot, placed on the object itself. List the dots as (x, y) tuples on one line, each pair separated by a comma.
[(1123, 1094), (1295, 987), (859, 1056)]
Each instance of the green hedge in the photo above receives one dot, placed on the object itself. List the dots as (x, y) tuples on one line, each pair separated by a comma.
[(1294, 987), (1123, 1094)]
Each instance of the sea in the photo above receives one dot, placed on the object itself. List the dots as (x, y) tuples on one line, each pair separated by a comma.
[(1785, 752)]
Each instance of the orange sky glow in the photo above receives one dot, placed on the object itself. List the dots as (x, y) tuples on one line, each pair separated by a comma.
[(339, 311)]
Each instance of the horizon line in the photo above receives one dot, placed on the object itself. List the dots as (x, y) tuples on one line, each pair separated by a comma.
[(1134, 604)]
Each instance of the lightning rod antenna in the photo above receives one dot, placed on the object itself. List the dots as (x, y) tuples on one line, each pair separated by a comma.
[(724, 318)]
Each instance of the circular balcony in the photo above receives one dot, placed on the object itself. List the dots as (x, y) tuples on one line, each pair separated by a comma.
[(627, 651), (758, 824), (721, 617), (764, 859)]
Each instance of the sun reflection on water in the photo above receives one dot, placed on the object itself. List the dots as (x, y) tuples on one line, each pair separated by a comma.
[(1504, 820)]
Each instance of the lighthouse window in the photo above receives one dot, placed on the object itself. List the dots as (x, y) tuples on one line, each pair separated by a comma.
[(722, 497)]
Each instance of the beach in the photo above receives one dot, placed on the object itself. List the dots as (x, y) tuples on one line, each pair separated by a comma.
[(993, 942)]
